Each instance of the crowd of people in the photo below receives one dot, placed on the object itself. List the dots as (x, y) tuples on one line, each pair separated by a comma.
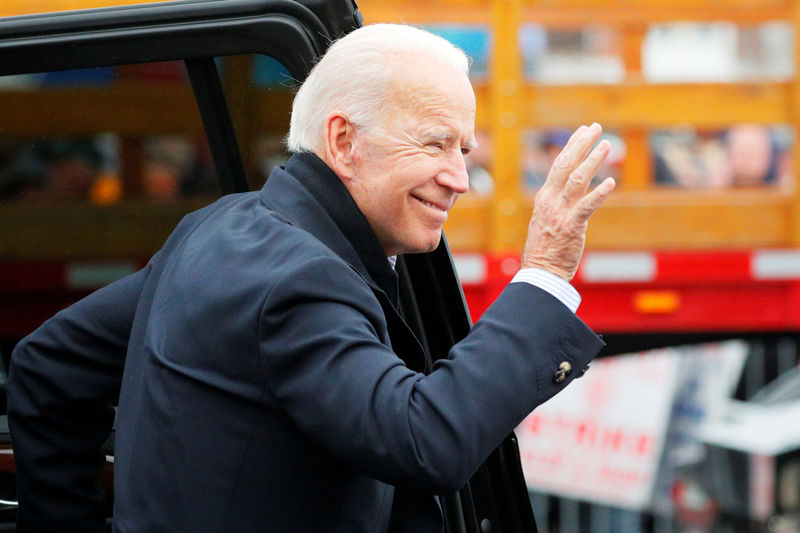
[(745, 155), (88, 169)]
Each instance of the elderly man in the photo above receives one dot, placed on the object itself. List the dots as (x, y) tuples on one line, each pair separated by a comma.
[(265, 378)]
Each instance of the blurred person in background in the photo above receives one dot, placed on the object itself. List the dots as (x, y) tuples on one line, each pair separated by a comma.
[(23, 174), (479, 161), (73, 165), (540, 150), (752, 156), (746, 155)]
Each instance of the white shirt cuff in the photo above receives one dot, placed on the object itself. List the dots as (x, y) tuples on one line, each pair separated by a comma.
[(547, 281)]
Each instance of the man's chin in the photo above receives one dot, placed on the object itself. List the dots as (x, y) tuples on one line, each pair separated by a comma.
[(425, 247)]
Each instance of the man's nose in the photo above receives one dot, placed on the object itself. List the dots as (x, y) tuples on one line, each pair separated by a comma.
[(455, 177)]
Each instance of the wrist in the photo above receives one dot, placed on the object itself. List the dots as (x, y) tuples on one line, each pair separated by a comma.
[(561, 272)]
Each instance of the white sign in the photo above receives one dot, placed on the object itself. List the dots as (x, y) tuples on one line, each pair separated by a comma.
[(603, 439)]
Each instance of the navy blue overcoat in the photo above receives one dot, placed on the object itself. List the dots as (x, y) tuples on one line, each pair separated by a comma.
[(266, 382)]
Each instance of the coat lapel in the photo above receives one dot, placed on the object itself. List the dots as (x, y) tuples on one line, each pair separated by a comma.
[(307, 194)]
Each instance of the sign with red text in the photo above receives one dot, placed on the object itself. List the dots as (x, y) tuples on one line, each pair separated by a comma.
[(601, 438), (618, 435)]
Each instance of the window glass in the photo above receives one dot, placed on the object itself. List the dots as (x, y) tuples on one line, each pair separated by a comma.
[(143, 137)]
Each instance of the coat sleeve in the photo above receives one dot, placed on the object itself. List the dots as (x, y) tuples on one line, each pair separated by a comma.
[(328, 368), (64, 380)]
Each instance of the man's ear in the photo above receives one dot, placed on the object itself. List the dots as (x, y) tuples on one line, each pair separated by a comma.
[(339, 144)]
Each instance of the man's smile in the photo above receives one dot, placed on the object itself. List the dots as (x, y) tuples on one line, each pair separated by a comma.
[(432, 205)]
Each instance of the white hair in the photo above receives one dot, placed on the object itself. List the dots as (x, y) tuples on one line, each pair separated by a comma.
[(354, 75)]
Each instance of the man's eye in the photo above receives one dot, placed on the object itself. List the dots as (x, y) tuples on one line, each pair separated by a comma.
[(436, 146), (465, 151)]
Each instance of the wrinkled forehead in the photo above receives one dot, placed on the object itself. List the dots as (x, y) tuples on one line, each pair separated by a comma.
[(423, 89)]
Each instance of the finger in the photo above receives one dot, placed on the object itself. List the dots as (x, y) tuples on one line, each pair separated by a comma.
[(580, 178), (562, 161), (573, 153), (589, 203)]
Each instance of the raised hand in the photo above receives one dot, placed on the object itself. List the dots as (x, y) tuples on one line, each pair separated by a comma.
[(557, 230)]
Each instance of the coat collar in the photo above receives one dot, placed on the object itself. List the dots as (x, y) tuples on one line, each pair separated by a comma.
[(311, 196), (308, 194)]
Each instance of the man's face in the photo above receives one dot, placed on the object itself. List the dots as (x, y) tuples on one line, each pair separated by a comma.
[(409, 172)]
